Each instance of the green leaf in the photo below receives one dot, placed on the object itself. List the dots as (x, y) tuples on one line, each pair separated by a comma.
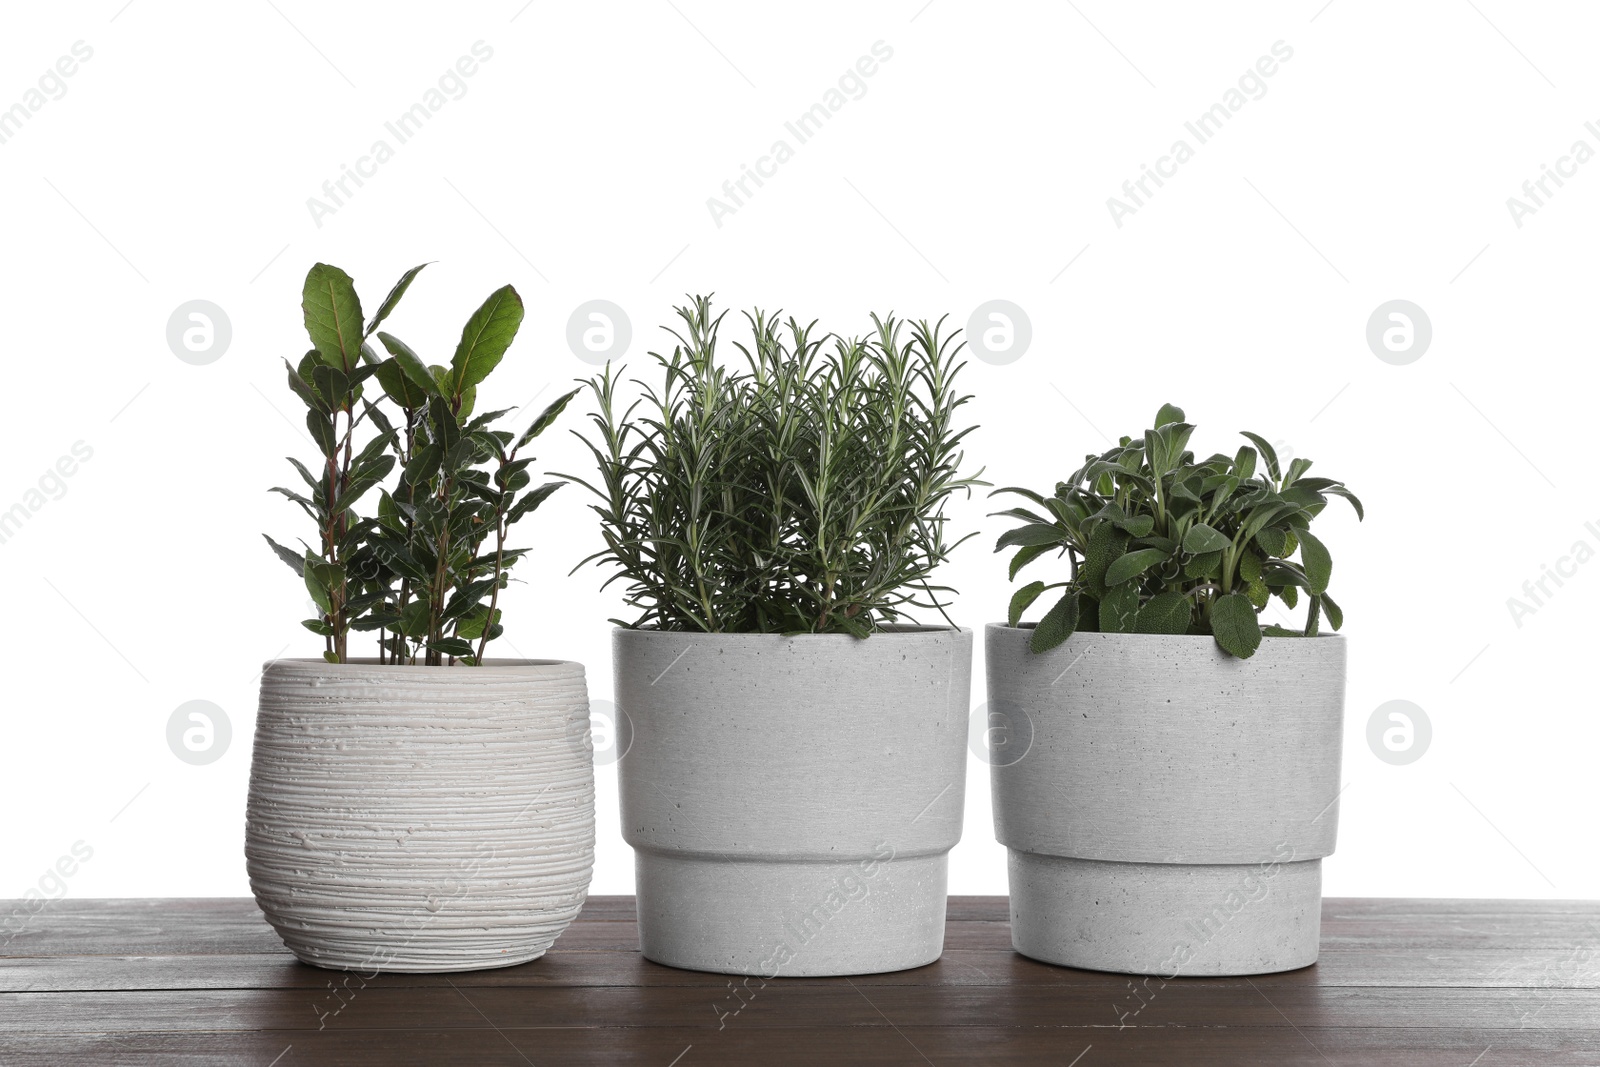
[(1168, 413), (1204, 565), (1244, 463), (321, 427), (1318, 564), (295, 560), (1134, 564), (1019, 491), (424, 465), (1309, 499), (451, 646), (1034, 534), (1249, 565), (1273, 541), (317, 626), (374, 473), (1106, 543), (472, 624), (389, 515), (302, 389), (1024, 557), (393, 298), (331, 656), (530, 500), (410, 364), (546, 417), (1057, 625), (1119, 609), (1203, 538), (1021, 600), (1164, 613), (1165, 544), (1267, 453), (1234, 625), (333, 316), (1333, 611), (316, 584), (333, 386), (485, 339), (1339, 490), (1133, 525), (414, 619)]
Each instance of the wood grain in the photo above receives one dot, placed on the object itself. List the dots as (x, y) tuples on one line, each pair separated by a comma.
[(199, 982)]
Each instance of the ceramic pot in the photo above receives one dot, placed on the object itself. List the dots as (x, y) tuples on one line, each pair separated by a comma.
[(421, 818), (791, 801), (1166, 806)]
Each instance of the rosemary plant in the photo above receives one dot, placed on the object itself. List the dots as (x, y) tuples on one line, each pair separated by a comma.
[(426, 571), (1159, 543), (801, 489)]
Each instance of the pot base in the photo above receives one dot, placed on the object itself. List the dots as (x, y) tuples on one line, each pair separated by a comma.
[(385, 948), (1166, 919), (791, 918)]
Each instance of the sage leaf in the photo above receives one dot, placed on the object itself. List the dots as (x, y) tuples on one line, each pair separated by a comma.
[(1234, 625)]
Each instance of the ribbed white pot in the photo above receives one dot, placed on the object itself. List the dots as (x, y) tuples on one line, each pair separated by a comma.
[(792, 800), (1166, 806), (421, 818)]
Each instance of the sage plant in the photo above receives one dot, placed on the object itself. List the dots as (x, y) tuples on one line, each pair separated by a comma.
[(1159, 543)]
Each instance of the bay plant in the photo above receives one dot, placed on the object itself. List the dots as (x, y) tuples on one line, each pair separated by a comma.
[(797, 484), (424, 568), (1159, 542)]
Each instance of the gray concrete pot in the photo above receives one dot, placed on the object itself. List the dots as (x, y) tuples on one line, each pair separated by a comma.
[(421, 818), (1166, 806), (792, 800)]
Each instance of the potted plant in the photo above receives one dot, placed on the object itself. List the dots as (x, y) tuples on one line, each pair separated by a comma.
[(796, 769), (1172, 777), (426, 808)]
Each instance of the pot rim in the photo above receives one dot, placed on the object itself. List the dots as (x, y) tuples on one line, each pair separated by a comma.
[(893, 629), (1027, 626), (369, 664)]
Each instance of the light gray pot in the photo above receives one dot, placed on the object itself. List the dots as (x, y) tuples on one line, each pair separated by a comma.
[(421, 818), (1166, 806), (792, 800)]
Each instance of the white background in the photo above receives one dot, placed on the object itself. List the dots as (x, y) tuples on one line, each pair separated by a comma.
[(977, 165)]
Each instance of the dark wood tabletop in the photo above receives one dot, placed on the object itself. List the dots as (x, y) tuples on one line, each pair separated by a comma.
[(1453, 983)]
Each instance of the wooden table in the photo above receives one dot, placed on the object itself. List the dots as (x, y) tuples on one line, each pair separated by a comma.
[(193, 982)]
